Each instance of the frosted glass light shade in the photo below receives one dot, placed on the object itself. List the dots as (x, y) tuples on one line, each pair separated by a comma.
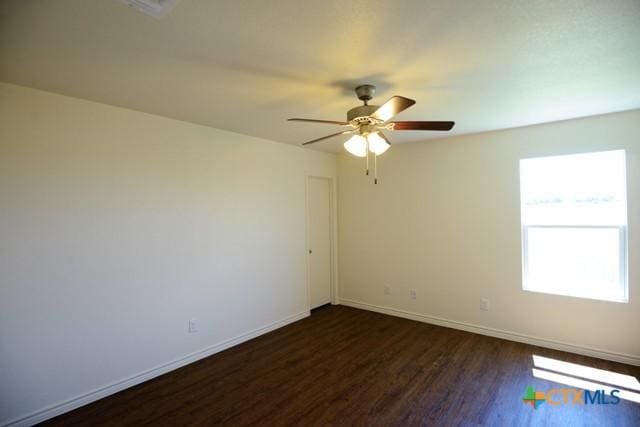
[(356, 145), (377, 144)]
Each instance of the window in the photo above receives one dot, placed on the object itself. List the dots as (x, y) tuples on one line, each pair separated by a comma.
[(574, 225)]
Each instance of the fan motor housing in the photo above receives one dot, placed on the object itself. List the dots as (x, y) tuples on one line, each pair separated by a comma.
[(362, 114)]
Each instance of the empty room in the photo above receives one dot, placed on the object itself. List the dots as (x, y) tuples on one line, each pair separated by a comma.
[(286, 212)]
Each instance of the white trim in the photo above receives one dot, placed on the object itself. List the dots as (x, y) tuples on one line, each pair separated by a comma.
[(498, 333), (109, 389)]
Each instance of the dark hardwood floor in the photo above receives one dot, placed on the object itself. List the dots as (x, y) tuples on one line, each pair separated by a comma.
[(344, 366)]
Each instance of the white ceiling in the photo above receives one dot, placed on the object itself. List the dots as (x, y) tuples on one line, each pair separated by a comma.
[(246, 66)]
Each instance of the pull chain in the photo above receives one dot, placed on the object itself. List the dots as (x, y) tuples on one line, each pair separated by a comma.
[(366, 146), (375, 168)]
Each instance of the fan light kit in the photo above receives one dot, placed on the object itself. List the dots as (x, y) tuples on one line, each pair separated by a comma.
[(366, 123)]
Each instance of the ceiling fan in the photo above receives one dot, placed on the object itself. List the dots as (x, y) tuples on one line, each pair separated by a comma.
[(367, 122)]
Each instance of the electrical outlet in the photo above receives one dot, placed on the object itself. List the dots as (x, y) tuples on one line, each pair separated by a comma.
[(484, 304), (413, 294), (387, 289), (193, 326)]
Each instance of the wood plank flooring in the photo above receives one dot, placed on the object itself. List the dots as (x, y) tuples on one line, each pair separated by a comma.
[(344, 366)]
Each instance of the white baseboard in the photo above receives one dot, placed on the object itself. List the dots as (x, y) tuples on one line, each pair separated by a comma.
[(629, 359), (99, 393)]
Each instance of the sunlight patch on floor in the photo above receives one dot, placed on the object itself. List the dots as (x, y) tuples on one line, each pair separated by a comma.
[(607, 377), (580, 376)]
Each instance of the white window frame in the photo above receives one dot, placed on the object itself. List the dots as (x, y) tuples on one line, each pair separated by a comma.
[(623, 241), (623, 261)]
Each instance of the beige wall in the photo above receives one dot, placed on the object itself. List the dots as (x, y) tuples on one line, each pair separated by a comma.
[(444, 220), (117, 227)]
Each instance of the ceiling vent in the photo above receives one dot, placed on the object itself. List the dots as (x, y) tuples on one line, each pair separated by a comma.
[(155, 8)]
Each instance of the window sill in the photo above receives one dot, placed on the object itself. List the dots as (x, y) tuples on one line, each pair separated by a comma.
[(624, 300)]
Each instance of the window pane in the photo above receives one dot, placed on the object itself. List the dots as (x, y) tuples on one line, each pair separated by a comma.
[(581, 189), (581, 262)]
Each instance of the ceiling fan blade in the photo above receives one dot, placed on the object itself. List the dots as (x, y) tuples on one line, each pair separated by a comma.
[(327, 137), (329, 122), (392, 107), (420, 125)]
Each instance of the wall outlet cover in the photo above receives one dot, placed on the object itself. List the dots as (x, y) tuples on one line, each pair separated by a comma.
[(484, 304), (193, 325)]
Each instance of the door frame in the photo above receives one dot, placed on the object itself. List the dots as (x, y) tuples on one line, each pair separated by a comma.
[(333, 237)]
